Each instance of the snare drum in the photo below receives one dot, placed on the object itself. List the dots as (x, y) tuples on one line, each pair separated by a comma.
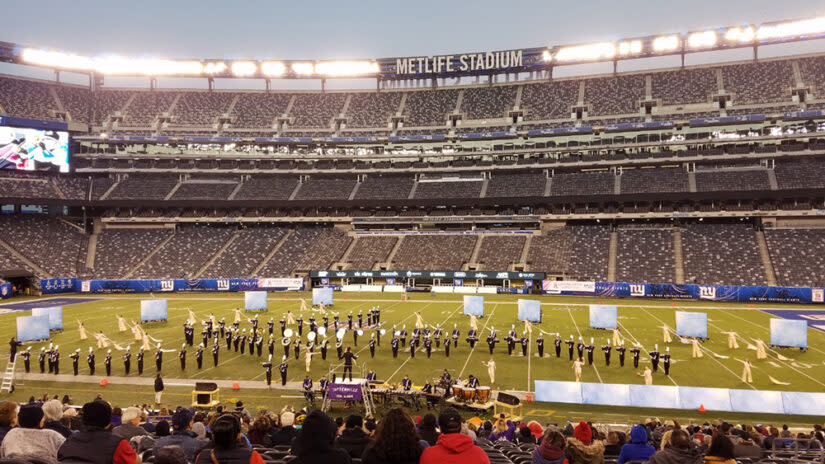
[(482, 394), (457, 392), (467, 394)]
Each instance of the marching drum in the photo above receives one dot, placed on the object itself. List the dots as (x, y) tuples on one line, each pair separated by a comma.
[(467, 394), (482, 394)]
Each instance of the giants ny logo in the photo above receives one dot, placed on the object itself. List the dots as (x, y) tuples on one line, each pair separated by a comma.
[(637, 290), (167, 285), (223, 285), (707, 293)]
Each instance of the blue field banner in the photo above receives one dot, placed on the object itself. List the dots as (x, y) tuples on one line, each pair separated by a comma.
[(735, 293), (487, 135), (33, 123), (727, 120), (355, 139), (561, 130), (59, 285), (416, 138), (72, 285), (812, 114), (201, 139), (625, 126), (5, 291)]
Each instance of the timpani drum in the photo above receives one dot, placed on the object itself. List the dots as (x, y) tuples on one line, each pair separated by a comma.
[(457, 392), (482, 394), (467, 394)]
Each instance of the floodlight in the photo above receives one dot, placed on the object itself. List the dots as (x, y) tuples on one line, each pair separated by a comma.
[(587, 52), (703, 39), (303, 68), (666, 43), (273, 68), (243, 68)]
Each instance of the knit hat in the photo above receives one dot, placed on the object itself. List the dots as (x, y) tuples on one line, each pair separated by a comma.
[(199, 429), (97, 413), (535, 429), (287, 419), (583, 433), (354, 420), (181, 419), (29, 416), (449, 420), (53, 410), (130, 413)]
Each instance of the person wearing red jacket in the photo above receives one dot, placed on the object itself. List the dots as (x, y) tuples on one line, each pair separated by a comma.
[(452, 446)]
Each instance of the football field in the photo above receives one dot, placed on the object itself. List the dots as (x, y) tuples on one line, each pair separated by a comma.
[(640, 321)]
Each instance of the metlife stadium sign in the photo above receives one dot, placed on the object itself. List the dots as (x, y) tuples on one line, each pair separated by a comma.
[(460, 63), (430, 275)]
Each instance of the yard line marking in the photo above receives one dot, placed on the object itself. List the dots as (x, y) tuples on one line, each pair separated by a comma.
[(596, 369), (481, 334), (710, 355), (408, 358)]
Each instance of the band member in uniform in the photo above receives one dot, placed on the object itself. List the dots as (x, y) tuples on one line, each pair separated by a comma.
[(607, 349), (270, 326), (355, 337), (349, 321), (139, 358), (159, 359), (27, 358), (127, 361), (56, 359), (349, 356), (447, 347), (666, 360), (428, 345), (360, 319), (270, 345), (580, 347), (286, 343), (307, 386), (372, 346), (75, 356), (471, 338), (456, 333), (228, 338), (491, 340), (324, 345), (312, 325), (259, 344), (107, 361), (339, 347), (296, 347), (590, 347), (204, 336), (540, 345), (394, 345), (473, 381), (413, 346), (557, 344), (268, 370), (282, 369), (570, 345), (222, 326), (253, 338), (282, 323), (199, 357), (371, 376), (406, 383), (215, 353), (41, 358), (236, 340), (300, 323), (49, 358), (525, 342), (242, 341), (322, 385), (403, 336), (654, 358), (90, 360), (621, 350), (511, 341), (635, 352), (437, 335), (182, 357)]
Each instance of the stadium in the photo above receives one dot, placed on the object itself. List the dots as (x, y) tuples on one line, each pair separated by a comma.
[(483, 231)]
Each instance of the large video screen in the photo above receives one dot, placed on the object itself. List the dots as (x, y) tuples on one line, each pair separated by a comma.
[(24, 149)]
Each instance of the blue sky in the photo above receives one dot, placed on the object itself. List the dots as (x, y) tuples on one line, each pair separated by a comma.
[(363, 29)]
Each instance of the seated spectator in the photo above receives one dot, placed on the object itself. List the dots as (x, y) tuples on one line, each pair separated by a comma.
[(427, 431), (395, 441), (612, 446), (227, 445), (145, 424), (29, 438), (287, 432), (503, 430), (747, 448), (117, 415), (53, 412), (679, 451), (452, 446), (162, 429), (8, 418), (129, 427), (240, 409), (536, 430), (260, 433), (773, 434), (94, 443), (720, 451), (182, 435), (485, 430), (353, 438), (314, 442), (638, 449), (582, 449), (551, 450), (524, 435)]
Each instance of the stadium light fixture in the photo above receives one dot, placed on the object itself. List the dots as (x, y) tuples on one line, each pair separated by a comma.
[(630, 47), (587, 52), (273, 68), (303, 69), (244, 68), (791, 29), (346, 68), (666, 43), (56, 59), (703, 39), (214, 67), (739, 34), (547, 56)]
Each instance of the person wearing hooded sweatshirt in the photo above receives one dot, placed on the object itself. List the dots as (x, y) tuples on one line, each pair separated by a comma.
[(551, 450), (452, 446), (503, 430), (679, 451), (582, 449), (95, 443), (638, 449)]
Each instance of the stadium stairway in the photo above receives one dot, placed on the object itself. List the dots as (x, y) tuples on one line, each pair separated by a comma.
[(42, 273), (611, 256), (149, 256), (91, 249), (272, 252), (344, 261), (218, 253), (678, 257), (765, 256), (391, 257), (473, 263)]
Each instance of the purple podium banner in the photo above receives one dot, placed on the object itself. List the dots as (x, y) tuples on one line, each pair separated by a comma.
[(344, 391)]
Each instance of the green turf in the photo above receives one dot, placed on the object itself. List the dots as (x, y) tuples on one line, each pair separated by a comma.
[(640, 321)]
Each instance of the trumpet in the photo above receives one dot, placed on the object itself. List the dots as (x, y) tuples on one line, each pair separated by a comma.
[(286, 341)]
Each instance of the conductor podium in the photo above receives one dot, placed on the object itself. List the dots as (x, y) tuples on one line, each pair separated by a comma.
[(206, 395), (509, 405)]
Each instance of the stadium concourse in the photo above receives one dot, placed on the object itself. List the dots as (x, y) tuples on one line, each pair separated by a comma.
[(676, 188)]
